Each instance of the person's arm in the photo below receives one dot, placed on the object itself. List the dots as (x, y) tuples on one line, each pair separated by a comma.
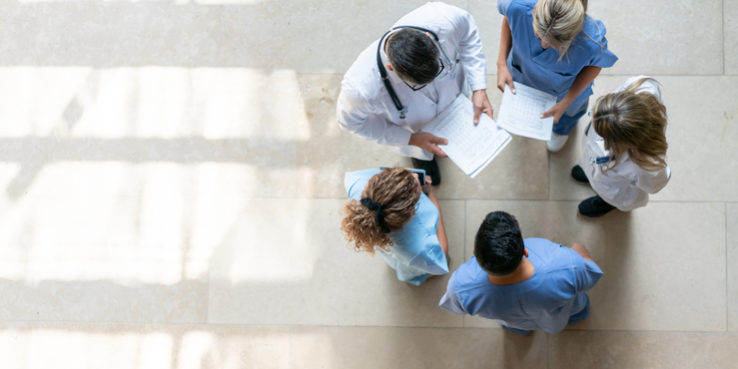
[(587, 272), (451, 301), (582, 250), (583, 79), (354, 114), (441, 230), (652, 182), (504, 77), (471, 58)]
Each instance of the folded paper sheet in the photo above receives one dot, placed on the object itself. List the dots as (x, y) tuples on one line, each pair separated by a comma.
[(520, 113), (470, 146)]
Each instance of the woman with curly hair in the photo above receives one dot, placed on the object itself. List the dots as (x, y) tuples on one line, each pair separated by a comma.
[(390, 211)]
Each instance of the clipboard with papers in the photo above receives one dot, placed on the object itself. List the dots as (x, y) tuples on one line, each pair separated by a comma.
[(471, 147), (520, 113)]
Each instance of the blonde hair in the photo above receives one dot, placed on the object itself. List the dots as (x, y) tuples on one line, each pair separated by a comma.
[(635, 123), (397, 191), (558, 22)]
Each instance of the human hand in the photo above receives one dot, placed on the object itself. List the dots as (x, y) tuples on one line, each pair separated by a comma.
[(427, 189), (581, 250), (428, 142), (556, 111), (504, 78), (481, 104)]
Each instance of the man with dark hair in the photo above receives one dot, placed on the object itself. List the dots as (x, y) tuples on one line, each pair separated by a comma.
[(524, 284), (403, 80)]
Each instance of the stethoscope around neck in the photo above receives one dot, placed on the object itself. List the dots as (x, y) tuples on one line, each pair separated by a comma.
[(383, 72)]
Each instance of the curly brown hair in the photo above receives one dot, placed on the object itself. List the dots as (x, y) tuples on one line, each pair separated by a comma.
[(633, 122), (397, 191)]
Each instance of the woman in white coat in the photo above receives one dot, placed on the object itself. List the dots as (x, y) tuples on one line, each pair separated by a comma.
[(624, 148)]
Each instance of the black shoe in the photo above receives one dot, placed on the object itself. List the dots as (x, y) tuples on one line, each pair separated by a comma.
[(578, 174), (594, 207), (431, 169)]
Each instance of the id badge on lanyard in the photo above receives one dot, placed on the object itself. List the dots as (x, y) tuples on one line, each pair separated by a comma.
[(596, 152)]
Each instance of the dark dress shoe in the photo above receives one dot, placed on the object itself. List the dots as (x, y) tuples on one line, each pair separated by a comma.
[(578, 174), (594, 207)]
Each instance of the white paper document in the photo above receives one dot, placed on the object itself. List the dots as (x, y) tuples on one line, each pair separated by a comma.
[(470, 147), (520, 113)]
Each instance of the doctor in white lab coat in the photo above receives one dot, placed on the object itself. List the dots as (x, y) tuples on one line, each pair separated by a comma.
[(621, 183), (365, 106)]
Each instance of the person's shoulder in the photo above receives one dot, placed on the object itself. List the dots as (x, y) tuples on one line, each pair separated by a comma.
[(625, 168), (649, 85), (427, 209), (421, 229), (512, 8), (435, 9), (419, 234), (554, 256), (362, 79), (594, 28), (592, 37), (468, 277), (539, 243), (557, 264), (590, 45), (354, 182), (439, 17), (441, 7)]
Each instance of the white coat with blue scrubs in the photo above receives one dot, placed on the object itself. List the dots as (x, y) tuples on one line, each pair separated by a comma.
[(627, 185), (532, 65), (364, 105), (416, 253)]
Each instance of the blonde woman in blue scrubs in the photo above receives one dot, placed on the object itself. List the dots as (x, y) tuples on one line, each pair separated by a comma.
[(391, 212), (553, 46)]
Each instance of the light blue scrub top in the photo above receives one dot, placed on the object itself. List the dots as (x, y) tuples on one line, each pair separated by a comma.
[(416, 252), (543, 302), (540, 68)]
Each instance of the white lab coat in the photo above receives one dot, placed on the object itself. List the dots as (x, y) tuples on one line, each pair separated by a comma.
[(364, 105), (627, 185)]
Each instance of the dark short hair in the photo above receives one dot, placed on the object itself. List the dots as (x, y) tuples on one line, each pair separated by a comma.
[(413, 56), (499, 244)]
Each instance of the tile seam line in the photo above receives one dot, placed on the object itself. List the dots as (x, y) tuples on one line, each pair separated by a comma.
[(290, 326), (727, 279)]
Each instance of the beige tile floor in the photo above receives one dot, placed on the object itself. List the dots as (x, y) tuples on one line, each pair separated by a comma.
[(171, 186)]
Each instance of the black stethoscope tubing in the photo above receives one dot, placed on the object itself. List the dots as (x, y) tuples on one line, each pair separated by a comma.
[(383, 72)]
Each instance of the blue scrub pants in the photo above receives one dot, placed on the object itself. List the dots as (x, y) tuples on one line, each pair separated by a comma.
[(569, 120)]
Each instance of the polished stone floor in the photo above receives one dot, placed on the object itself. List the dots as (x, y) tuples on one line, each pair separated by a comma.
[(171, 191)]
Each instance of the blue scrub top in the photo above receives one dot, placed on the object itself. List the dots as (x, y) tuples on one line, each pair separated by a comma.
[(540, 68), (543, 302), (416, 253)]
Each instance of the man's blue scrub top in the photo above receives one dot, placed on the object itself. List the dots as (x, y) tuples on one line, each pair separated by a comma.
[(543, 302)]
